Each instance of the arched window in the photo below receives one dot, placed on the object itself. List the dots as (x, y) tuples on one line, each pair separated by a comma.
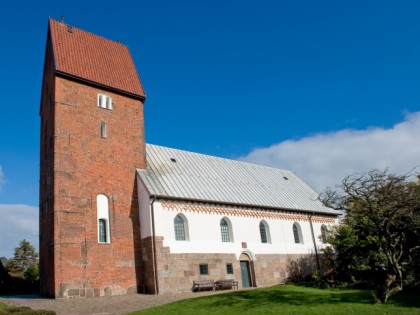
[(180, 228), (264, 232), (324, 233), (103, 219), (226, 230), (297, 233)]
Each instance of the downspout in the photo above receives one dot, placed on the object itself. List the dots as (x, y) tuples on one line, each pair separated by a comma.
[(152, 215), (313, 239)]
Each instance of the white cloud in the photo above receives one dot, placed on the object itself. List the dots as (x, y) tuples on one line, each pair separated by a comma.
[(17, 222), (323, 160)]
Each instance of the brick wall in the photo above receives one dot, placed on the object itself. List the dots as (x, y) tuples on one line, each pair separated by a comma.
[(46, 183), (77, 165)]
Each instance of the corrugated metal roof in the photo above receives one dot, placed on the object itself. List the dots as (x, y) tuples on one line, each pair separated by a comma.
[(181, 174)]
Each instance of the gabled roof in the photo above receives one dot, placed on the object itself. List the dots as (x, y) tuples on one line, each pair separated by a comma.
[(191, 176), (88, 57)]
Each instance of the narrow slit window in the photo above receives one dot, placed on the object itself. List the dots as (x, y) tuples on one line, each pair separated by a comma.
[(103, 130)]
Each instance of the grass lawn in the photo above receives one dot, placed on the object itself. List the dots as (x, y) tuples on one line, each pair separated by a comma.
[(291, 299)]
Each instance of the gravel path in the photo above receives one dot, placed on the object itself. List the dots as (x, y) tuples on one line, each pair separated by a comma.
[(100, 305)]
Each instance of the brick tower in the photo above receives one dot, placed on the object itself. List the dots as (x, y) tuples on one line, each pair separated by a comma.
[(92, 142)]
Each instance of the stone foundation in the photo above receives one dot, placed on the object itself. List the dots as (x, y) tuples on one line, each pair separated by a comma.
[(81, 290), (176, 272)]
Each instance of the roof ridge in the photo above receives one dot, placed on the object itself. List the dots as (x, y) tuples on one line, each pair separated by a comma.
[(185, 175), (83, 30), (223, 158)]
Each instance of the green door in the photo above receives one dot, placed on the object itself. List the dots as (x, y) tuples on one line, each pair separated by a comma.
[(245, 274)]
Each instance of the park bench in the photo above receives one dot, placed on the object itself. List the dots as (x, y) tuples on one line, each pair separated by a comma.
[(226, 284), (203, 284)]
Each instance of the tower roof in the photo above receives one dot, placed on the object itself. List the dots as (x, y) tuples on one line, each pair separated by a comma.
[(97, 60)]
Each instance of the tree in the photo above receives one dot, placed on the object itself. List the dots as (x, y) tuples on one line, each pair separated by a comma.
[(31, 274), (378, 241), (25, 257), (3, 274)]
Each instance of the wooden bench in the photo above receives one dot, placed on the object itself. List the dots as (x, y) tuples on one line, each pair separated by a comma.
[(226, 284), (205, 284)]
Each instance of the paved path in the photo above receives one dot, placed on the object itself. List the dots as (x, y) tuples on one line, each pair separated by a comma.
[(113, 305)]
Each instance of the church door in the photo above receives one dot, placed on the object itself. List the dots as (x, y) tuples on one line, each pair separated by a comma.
[(245, 274)]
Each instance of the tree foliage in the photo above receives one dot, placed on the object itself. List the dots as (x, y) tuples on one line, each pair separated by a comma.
[(378, 241), (25, 257)]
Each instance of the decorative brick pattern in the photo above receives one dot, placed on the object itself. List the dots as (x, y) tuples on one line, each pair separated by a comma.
[(262, 214)]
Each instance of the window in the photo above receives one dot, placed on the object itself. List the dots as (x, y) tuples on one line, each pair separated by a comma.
[(103, 129), (229, 269), (204, 269), (179, 228), (102, 230), (224, 229), (264, 232), (324, 233), (104, 101), (103, 219), (297, 233)]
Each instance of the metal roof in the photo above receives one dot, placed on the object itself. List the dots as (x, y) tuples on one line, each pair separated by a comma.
[(192, 176)]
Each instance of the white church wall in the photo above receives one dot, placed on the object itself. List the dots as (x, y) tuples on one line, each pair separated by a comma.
[(144, 209), (205, 234)]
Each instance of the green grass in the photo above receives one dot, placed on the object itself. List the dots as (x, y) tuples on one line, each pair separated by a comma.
[(291, 299)]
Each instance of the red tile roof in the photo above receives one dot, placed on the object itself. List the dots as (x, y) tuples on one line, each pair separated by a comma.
[(92, 58)]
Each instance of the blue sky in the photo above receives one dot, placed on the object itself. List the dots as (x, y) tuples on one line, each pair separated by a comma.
[(323, 88)]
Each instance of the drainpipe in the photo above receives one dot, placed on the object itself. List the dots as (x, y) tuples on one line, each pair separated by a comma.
[(313, 239), (152, 216)]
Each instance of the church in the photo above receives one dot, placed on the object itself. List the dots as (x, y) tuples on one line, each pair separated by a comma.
[(121, 216)]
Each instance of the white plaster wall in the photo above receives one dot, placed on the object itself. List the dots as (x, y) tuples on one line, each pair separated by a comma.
[(144, 209), (205, 236)]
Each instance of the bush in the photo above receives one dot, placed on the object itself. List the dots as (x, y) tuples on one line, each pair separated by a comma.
[(23, 310), (31, 274)]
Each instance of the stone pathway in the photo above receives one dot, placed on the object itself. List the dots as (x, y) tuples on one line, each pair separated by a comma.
[(112, 305)]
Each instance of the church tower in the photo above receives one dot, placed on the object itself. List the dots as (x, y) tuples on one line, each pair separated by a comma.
[(92, 142)]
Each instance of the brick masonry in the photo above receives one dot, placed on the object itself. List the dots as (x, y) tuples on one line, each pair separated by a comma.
[(77, 165)]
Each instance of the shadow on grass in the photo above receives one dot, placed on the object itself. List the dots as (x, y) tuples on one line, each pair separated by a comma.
[(409, 298)]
